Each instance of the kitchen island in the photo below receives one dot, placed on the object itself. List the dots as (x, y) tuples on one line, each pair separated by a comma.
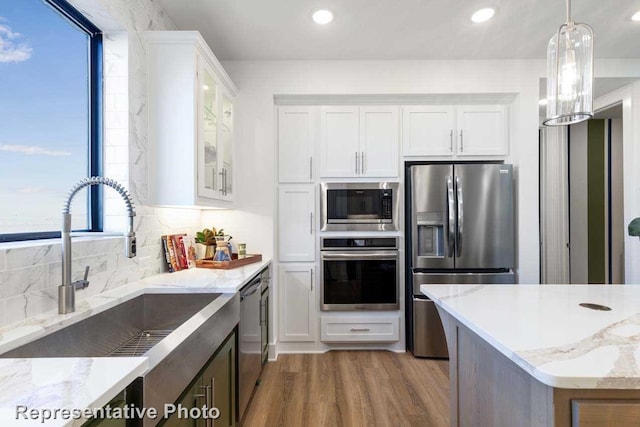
[(531, 355)]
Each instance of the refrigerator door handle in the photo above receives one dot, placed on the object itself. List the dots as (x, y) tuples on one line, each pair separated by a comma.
[(451, 219), (460, 218)]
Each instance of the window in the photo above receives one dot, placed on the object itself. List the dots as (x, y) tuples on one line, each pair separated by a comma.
[(50, 117)]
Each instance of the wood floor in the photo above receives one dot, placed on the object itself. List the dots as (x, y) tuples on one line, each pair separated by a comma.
[(351, 389)]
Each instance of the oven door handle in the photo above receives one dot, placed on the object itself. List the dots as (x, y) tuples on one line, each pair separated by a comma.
[(383, 255)]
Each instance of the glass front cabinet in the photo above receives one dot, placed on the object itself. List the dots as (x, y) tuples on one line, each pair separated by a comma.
[(215, 141), (191, 122)]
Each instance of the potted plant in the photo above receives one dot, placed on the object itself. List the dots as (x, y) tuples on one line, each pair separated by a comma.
[(206, 240)]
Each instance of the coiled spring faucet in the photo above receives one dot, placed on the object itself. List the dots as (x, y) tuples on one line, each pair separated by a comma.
[(67, 290)]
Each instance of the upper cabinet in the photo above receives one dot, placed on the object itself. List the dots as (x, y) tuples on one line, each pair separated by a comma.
[(191, 122), (296, 143), (455, 131), (359, 142), (379, 137), (482, 130), (428, 130), (339, 142)]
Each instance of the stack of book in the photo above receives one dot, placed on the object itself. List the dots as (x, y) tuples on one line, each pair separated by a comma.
[(179, 251)]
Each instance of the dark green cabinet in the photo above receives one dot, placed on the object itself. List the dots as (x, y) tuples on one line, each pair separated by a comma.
[(214, 387), (117, 402), (221, 376)]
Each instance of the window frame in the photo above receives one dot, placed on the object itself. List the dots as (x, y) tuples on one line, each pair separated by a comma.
[(95, 143)]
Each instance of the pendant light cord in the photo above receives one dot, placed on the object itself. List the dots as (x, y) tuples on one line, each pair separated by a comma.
[(568, 11)]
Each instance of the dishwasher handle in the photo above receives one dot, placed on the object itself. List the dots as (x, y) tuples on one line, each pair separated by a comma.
[(250, 289)]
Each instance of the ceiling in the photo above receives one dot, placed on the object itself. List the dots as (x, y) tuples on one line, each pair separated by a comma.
[(400, 29)]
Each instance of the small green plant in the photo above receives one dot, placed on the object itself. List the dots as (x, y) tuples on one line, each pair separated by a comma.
[(208, 236)]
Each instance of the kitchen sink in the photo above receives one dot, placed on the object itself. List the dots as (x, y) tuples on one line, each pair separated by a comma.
[(129, 329), (177, 333)]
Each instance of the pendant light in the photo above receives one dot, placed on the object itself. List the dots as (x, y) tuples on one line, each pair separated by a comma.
[(570, 74)]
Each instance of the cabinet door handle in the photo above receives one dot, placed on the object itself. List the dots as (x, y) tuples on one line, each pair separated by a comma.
[(310, 222), (461, 141), (360, 329), (362, 162), (311, 277), (221, 190), (356, 163), (310, 168), (225, 180), (451, 141), (207, 400)]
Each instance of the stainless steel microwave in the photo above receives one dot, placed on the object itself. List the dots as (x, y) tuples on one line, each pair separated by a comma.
[(367, 206)]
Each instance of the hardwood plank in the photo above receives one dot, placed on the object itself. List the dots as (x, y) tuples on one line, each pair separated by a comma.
[(351, 389)]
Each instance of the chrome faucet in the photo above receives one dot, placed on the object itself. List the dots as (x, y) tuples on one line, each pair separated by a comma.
[(67, 290)]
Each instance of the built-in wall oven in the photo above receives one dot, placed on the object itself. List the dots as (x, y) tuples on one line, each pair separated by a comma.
[(369, 206), (359, 273)]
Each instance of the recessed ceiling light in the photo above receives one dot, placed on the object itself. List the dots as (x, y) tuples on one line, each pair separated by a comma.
[(322, 16), (483, 15), (636, 16)]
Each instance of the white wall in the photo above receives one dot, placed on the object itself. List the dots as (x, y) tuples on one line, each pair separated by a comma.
[(258, 82)]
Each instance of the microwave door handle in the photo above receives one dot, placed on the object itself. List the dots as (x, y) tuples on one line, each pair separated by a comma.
[(450, 219), (460, 218)]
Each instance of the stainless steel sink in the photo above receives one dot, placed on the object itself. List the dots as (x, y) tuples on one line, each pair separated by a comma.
[(178, 334), (129, 329)]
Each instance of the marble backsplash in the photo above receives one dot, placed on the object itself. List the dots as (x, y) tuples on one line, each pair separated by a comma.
[(30, 273)]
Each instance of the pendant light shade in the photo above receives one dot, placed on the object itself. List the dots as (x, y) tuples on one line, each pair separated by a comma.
[(570, 74)]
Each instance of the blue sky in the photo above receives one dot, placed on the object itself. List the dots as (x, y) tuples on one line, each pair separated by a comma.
[(43, 115)]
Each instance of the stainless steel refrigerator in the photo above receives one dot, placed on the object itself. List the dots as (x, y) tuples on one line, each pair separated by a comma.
[(460, 229)]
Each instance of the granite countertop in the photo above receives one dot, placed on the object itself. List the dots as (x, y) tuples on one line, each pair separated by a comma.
[(79, 383), (543, 329)]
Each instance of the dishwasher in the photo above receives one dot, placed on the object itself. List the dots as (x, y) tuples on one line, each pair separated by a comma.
[(249, 341)]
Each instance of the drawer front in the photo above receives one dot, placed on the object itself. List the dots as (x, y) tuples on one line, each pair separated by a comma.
[(360, 329), (595, 413)]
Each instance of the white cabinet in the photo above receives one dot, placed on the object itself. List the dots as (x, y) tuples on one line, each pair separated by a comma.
[(482, 130), (379, 327), (298, 312), (428, 130), (214, 136), (296, 222), (191, 121), (340, 142), (455, 131), (359, 142), (296, 137), (379, 135)]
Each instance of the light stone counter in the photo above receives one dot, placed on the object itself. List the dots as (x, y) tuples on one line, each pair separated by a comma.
[(62, 383), (79, 383), (543, 329)]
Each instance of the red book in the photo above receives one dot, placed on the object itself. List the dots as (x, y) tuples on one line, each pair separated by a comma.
[(181, 257)]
